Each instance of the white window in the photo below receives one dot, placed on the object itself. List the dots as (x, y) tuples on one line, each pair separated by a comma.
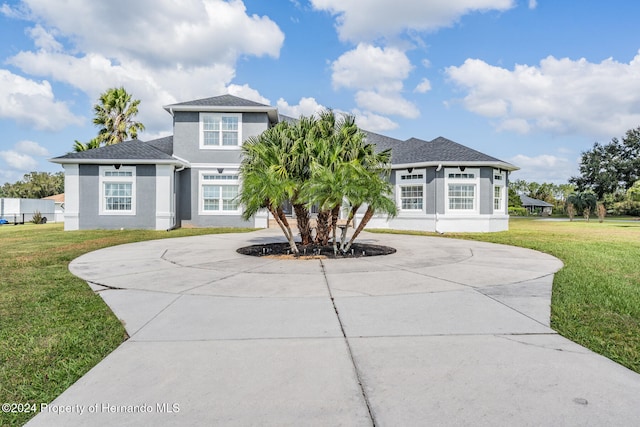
[(411, 197), (499, 179), (410, 190), (219, 193), (461, 190), (117, 190), (220, 130), (462, 197), (497, 198)]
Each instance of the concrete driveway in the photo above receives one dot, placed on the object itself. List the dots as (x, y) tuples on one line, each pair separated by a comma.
[(443, 332)]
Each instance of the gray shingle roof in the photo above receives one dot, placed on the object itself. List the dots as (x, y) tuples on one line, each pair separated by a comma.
[(441, 149), (126, 150), (530, 201), (163, 144), (221, 101)]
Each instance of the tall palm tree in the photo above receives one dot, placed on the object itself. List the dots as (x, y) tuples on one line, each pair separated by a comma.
[(266, 177), (81, 146), (114, 114)]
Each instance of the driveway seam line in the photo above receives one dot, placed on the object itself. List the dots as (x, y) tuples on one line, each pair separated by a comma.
[(346, 340)]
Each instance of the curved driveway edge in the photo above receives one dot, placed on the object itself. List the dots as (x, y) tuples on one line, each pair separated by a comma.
[(444, 332)]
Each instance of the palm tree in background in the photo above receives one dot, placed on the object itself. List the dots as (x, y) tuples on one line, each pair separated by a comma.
[(115, 113)]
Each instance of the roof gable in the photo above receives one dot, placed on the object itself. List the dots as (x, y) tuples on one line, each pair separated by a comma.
[(220, 101)]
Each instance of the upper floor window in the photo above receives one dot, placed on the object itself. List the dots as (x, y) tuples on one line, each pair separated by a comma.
[(220, 130)]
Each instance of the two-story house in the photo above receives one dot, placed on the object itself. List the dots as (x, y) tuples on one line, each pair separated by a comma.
[(192, 179)]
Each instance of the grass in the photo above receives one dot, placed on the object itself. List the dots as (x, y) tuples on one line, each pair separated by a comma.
[(596, 296), (53, 328)]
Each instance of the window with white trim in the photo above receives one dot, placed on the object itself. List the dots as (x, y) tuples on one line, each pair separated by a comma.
[(499, 181), (462, 197), (219, 193), (497, 197), (220, 130), (410, 190), (117, 190), (461, 190)]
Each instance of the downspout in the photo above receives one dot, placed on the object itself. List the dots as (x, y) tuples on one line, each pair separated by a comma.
[(438, 169), (175, 202)]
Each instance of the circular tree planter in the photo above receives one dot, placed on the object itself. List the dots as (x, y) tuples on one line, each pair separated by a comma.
[(283, 250)]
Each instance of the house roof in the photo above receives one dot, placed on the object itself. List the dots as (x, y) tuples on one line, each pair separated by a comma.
[(413, 152), (224, 104), (58, 198), (529, 201), (416, 152), (126, 152)]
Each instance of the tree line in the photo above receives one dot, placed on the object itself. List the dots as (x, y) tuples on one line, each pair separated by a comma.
[(34, 185), (609, 177)]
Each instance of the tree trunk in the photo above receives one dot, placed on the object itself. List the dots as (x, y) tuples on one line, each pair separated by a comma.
[(322, 229), (302, 216), (365, 219), (335, 212), (343, 238), (281, 219)]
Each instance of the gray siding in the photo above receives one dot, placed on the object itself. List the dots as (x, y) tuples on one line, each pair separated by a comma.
[(486, 191), (145, 216), (186, 137)]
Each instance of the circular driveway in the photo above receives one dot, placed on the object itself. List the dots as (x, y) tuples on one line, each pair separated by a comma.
[(442, 332)]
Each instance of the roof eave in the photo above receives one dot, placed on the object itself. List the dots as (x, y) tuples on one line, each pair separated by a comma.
[(66, 161), (449, 163), (272, 112)]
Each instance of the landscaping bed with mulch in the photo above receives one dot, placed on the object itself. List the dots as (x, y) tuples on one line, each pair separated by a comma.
[(283, 250)]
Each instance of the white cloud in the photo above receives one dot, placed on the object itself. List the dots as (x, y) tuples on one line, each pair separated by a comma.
[(32, 103), (373, 122), (163, 33), (383, 18), (424, 86), (161, 51), (377, 74), (44, 39), (371, 67), (31, 147), (18, 161), (533, 4), (543, 168), (305, 107), (387, 103), (560, 96), (247, 92)]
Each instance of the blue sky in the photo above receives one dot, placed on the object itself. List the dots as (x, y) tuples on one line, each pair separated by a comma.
[(531, 82)]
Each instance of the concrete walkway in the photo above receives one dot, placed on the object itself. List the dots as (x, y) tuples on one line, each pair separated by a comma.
[(443, 332)]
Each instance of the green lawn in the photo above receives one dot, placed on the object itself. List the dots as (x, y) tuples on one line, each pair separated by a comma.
[(596, 296), (53, 328)]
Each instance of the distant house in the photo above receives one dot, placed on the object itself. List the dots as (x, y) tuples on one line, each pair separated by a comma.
[(191, 178), (534, 205)]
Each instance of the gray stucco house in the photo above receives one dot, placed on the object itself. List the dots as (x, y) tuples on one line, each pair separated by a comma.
[(191, 178)]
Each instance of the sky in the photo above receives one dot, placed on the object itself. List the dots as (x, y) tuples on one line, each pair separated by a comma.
[(531, 82)]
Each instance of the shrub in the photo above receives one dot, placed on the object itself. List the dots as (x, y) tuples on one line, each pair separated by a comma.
[(602, 212), (37, 218), (517, 211)]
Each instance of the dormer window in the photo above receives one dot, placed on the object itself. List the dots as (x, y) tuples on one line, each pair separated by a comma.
[(220, 130)]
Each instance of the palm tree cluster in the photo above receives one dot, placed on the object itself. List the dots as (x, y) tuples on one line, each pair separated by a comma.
[(321, 161), (114, 115)]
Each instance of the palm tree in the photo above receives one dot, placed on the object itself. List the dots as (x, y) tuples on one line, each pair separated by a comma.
[(266, 178), (114, 114), (584, 202), (81, 146)]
